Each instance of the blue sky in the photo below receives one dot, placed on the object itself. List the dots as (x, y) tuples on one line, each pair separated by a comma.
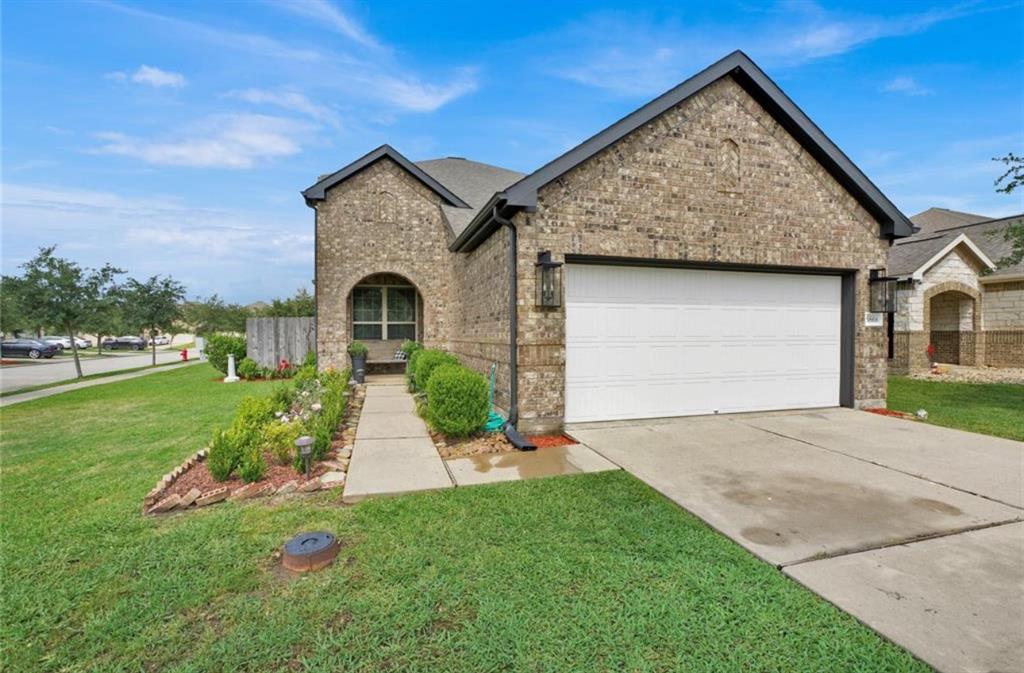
[(174, 137)]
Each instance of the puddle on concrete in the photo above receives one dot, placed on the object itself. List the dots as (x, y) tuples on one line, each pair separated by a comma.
[(547, 462), (937, 506)]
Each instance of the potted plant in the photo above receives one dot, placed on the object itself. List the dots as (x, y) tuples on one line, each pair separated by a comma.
[(357, 351)]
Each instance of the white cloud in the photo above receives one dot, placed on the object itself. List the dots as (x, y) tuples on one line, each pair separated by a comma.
[(324, 12), (156, 77), (411, 94), (632, 55), (289, 100), (243, 255), (223, 141), (906, 85)]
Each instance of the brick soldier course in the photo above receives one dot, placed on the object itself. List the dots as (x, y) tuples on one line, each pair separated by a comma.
[(723, 175)]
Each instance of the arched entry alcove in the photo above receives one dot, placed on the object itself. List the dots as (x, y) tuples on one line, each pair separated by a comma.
[(952, 321), (384, 309)]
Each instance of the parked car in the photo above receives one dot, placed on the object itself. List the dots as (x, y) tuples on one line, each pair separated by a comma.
[(83, 343), (30, 348), (130, 343), (61, 342), (160, 340)]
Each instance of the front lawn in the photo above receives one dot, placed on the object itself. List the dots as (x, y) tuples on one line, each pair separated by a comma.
[(988, 408), (587, 573)]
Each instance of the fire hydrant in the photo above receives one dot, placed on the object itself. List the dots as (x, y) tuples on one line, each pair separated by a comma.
[(184, 355)]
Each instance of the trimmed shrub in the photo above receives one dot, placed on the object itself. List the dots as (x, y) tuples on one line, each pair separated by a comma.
[(218, 346), (457, 400), (409, 347), (427, 360), (282, 397), (279, 439), (253, 465), (248, 369), (223, 457)]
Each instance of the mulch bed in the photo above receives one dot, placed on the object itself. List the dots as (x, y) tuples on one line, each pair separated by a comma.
[(278, 475), (549, 441), (881, 411), (493, 442)]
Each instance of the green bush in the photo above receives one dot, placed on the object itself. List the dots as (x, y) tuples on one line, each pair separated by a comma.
[(223, 457), (427, 361), (409, 347), (279, 439), (358, 349), (219, 346), (282, 397), (249, 369), (310, 360), (253, 465), (457, 403)]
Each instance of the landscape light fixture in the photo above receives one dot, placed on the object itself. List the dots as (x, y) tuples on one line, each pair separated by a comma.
[(305, 446)]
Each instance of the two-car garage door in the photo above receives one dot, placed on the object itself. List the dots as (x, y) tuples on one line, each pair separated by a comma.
[(646, 342)]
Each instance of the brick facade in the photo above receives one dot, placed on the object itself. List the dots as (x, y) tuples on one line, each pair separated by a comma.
[(713, 180), (381, 220), (658, 193)]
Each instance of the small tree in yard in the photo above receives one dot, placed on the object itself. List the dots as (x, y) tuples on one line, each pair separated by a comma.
[(15, 314), (1006, 184), (108, 318), (154, 305), (64, 293)]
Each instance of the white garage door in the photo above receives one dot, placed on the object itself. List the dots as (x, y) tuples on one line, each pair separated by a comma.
[(651, 342)]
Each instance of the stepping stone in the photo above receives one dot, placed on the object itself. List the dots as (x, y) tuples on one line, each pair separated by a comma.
[(310, 486)]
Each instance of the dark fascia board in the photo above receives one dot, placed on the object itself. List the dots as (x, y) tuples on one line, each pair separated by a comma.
[(318, 191), (892, 223)]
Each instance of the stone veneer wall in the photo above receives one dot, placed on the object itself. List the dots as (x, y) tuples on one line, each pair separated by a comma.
[(663, 193), (1003, 323), (381, 220)]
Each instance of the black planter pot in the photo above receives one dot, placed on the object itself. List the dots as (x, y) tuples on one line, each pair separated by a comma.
[(358, 368)]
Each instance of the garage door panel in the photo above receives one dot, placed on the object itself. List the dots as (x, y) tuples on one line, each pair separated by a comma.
[(648, 342)]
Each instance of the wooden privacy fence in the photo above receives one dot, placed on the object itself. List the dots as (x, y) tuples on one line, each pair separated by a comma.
[(270, 340)]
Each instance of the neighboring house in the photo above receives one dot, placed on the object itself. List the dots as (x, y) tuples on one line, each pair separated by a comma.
[(715, 249), (954, 295)]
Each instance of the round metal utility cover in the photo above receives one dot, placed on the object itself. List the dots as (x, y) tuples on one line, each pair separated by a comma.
[(310, 551)]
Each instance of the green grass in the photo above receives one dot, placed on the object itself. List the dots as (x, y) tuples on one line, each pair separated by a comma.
[(988, 408), (586, 573)]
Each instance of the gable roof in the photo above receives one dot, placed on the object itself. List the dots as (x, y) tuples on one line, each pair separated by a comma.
[(523, 194), (318, 190), (942, 218), (911, 257), (473, 181)]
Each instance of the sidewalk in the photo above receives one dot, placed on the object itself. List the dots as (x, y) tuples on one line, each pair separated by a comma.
[(57, 390), (393, 453)]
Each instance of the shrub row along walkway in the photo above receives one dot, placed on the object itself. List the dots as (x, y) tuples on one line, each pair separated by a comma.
[(393, 452)]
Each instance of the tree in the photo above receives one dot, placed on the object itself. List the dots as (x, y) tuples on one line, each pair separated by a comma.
[(207, 316), (1006, 184), (108, 316), (15, 314), (300, 305), (153, 305), (63, 293)]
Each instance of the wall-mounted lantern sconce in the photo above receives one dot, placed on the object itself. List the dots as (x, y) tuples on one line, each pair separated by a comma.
[(549, 280), (882, 292)]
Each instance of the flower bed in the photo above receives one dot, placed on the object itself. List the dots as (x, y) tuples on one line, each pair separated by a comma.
[(256, 456)]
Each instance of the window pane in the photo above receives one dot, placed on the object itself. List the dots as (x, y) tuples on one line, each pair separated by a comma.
[(401, 304), (396, 331), (366, 304), (366, 331)]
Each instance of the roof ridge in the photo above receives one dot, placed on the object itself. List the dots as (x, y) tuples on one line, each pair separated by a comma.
[(975, 224)]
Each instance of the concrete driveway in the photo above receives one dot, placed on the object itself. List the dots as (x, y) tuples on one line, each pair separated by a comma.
[(848, 503)]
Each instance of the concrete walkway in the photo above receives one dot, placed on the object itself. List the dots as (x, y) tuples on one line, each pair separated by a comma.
[(57, 390), (393, 452)]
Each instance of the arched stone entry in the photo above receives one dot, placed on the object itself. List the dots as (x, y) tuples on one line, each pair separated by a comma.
[(952, 323), (384, 309)]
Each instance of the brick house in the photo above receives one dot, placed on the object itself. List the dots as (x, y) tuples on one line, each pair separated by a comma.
[(954, 294), (710, 252)]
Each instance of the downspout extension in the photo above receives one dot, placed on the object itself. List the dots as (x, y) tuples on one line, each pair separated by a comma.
[(513, 435)]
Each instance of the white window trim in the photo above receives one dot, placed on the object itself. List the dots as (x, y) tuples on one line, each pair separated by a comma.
[(384, 322)]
